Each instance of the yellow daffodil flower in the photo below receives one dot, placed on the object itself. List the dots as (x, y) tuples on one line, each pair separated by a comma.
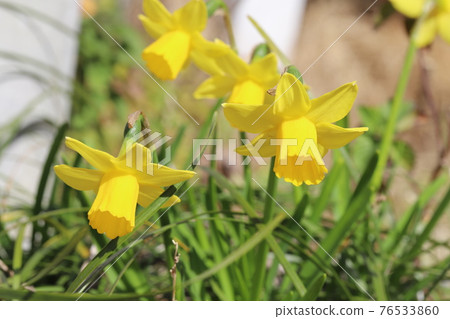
[(119, 186), (178, 38), (292, 122), (436, 21), (248, 84)]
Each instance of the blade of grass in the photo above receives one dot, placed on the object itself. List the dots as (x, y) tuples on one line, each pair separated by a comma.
[(77, 237), (425, 235), (18, 257), (400, 229), (261, 255), (314, 288), (223, 182), (261, 234)]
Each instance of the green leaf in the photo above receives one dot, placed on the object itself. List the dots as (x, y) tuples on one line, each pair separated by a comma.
[(263, 233), (425, 235), (400, 229), (314, 288), (47, 166)]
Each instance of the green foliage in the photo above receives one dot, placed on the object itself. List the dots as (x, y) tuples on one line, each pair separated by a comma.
[(340, 240)]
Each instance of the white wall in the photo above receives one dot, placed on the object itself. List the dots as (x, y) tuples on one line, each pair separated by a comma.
[(38, 52)]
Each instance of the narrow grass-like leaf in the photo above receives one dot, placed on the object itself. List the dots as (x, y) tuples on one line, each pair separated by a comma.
[(425, 235), (400, 229), (260, 235), (47, 166), (77, 237), (314, 288)]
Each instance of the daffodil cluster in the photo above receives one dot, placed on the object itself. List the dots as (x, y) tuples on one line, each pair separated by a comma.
[(291, 127), (436, 15)]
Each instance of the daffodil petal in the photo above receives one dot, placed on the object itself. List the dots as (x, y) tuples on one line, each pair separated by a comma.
[(114, 208), (444, 5), (137, 161), (166, 56), (155, 30), (248, 92), (148, 194), (427, 32), (205, 63), (264, 150), (232, 64), (322, 150), (205, 53), (410, 8), (291, 98), (215, 87), (192, 17), (82, 179), (160, 175), (333, 136), (444, 25), (250, 118), (100, 160), (265, 71), (158, 14), (334, 105)]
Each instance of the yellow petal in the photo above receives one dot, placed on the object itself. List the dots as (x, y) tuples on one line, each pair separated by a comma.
[(232, 64), (292, 135), (410, 8), (148, 194), (113, 210), (192, 17), (291, 98), (334, 105), (248, 92), (137, 161), (250, 118), (205, 63), (205, 53), (323, 151), (265, 71), (444, 5), (264, 150), (333, 136), (309, 172), (215, 87), (100, 160), (155, 30), (166, 56), (444, 25), (427, 32), (81, 179), (158, 14)]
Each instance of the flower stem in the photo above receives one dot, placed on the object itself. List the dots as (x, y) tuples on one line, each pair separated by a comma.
[(247, 176), (259, 277), (389, 133)]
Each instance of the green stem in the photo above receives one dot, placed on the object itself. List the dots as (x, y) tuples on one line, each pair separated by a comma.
[(263, 249), (273, 47), (228, 25), (389, 133), (247, 176)]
